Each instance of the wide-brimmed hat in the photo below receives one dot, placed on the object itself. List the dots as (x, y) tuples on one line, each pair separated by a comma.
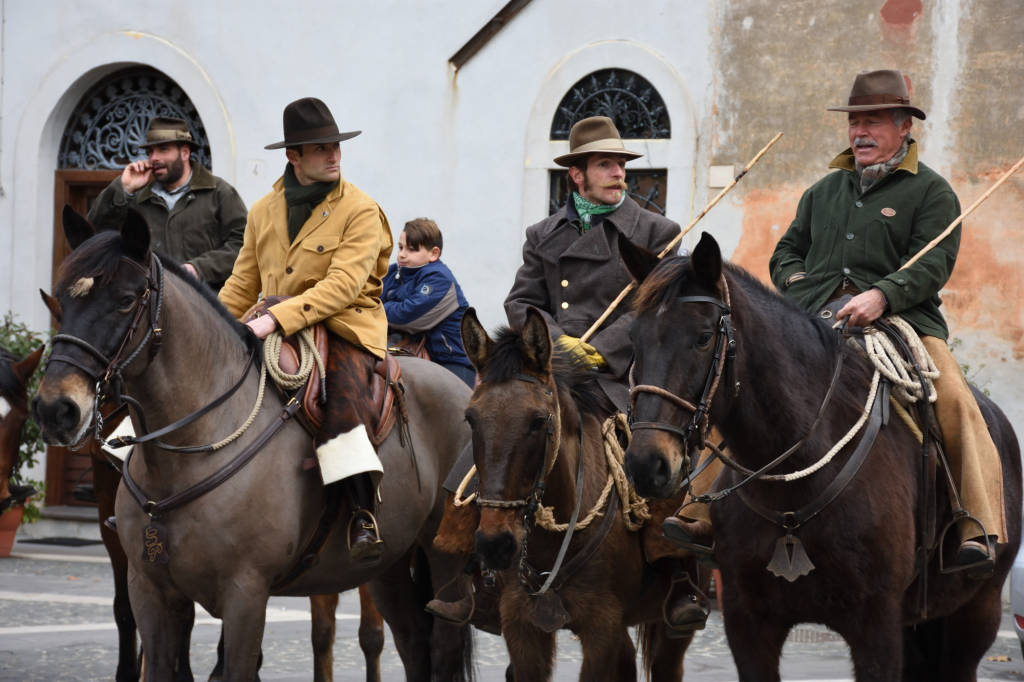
[(596, 134), (884, 89), (164, 129), (309, 121)]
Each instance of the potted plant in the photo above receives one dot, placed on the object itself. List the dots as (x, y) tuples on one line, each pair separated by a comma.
[(22, 345)]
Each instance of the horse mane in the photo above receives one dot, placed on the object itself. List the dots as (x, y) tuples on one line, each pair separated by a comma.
[(9, 384), (505, 362), (672, 274), (99, 257)]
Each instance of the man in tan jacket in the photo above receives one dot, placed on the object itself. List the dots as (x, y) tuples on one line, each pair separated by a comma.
[(324, 243)]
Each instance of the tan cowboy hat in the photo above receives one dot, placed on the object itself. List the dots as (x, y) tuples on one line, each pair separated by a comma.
[(884, 89), (164, 129), (309, 121), (592, 135)]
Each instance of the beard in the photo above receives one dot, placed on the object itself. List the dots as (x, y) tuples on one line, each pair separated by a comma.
[(174, 170)]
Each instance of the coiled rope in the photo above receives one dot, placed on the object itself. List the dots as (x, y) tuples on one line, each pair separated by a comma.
[(883, 354)]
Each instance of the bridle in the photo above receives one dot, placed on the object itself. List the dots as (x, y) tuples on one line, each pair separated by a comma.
[(108, 374), (723, 360)]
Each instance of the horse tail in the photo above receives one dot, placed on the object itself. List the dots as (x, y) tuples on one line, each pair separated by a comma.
[(647, 635)]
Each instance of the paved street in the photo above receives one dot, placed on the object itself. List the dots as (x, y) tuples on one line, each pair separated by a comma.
[(56, 625)]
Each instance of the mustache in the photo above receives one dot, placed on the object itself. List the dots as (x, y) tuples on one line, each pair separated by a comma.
[(864, 142), (621, 184)]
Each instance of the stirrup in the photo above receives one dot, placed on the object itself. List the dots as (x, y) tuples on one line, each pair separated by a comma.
[(978, 570), (369, 549), (698, 617)]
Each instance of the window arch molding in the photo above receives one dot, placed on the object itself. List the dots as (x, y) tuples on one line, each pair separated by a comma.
[(677, 154)]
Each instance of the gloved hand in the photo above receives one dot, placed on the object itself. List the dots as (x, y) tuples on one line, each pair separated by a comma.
[(581, 352)]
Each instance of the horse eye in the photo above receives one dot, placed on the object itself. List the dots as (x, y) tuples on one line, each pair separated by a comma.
[(125, 303), (704, 340), (538, 423)]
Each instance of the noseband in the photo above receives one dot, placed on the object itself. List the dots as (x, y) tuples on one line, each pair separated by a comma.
[(723, 358)]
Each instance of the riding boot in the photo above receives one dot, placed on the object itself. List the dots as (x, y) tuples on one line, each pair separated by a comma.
[(693, 536), (685, 607), (364, 541), (975, 557), (460, 609)]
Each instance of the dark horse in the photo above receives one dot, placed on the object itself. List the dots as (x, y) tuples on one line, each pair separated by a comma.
[(15, 373), (863, 583), (128, 316), (106, 479), (536, 430)]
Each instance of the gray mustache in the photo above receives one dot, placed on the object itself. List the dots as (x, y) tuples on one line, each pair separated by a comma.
[(864, 142)]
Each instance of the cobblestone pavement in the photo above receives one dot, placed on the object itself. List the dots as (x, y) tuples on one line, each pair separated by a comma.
[(56, 625)]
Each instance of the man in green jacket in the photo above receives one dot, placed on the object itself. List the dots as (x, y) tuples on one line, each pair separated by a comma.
[(853, 230), (194, 217)]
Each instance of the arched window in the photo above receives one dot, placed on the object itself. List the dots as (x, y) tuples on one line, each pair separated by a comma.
[(638, 111), (111, 120)]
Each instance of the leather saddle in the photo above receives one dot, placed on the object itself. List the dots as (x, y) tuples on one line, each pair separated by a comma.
[(378, 413)]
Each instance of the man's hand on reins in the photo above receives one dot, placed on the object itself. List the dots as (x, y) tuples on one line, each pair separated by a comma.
[(864, 308), (263, 325)]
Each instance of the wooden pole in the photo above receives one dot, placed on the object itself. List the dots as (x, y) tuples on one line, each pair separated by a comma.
[(682, 233), (952, 226)]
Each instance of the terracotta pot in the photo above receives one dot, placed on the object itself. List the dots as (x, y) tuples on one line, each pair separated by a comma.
[(9, 522)]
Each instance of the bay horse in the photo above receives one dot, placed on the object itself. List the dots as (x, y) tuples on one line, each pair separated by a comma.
[(15, 374), (172, 345), (523, 401), (699, 318)]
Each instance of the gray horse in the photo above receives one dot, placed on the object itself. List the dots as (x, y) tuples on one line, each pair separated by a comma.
[(226, 528)]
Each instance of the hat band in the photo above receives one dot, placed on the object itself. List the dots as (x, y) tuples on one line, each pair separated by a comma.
[(299, 136), (861, 100)]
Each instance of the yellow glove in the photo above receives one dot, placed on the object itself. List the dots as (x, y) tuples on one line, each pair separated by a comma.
[(580, 351)]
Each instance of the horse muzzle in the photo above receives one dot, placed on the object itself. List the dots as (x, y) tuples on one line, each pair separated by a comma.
[(497, 539), (63, 416), (655, 465)]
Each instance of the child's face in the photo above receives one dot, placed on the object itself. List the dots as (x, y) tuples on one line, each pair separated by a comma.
[(414, 258)]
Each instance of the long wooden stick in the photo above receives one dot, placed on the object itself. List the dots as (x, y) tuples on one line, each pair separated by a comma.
[(682, 233), (952, 226)]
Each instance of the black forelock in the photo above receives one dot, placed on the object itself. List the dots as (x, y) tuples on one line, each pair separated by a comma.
[(9, 384), (505, 362)]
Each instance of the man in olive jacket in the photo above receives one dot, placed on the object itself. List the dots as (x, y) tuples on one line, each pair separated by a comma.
[(323, 242), (853, 230), (194, 217)]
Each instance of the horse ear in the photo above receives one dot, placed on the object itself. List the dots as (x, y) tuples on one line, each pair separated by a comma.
[(536, 341), (475, 340), (135, 235), (707, 260), (52, 304), (639, 261), (76, 228), (23, 369)]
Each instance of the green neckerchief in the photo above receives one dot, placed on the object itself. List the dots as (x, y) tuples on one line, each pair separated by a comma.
[(302, 199), (586, 209)]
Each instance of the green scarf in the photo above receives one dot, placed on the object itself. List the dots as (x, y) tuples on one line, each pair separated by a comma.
[(586, 209), (302, 199)]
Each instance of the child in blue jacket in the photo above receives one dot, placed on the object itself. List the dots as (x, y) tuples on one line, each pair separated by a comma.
[(421, 296)]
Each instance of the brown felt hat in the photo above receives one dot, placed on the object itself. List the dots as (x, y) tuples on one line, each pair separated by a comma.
[(163, 130), (596, 134), (309, 121), (885, 89)]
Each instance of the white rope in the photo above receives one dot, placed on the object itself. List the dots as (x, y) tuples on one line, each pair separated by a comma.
[(308, 356), (252, 415), (887, 360)]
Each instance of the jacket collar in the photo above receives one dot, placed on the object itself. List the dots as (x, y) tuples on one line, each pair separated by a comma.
[(845, 160), (202, 180), (322, 211), (563, 238)]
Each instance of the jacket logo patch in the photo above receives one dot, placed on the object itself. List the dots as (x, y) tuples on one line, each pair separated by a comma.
[(426, 289), (888, 212)]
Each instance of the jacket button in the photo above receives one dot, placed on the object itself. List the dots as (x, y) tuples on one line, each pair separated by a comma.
[(565, 305), (858, 204), (901, 281), (320, 249), (565, 283), (306, 306), (288, 270), (846, 271), (849, 235)]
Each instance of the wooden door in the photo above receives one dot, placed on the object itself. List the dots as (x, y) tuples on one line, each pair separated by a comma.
[(78, 188)]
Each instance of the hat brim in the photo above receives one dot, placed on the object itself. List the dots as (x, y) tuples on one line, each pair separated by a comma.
[(917, 113), (609, 146), (340, 137)]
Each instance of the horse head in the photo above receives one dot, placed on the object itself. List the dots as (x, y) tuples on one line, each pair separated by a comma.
[(14, 377), (103, 298), (514, 416), (682, 339)]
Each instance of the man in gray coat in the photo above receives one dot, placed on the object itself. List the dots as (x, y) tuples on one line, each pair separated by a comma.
[(194, 217), (571, 266)]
